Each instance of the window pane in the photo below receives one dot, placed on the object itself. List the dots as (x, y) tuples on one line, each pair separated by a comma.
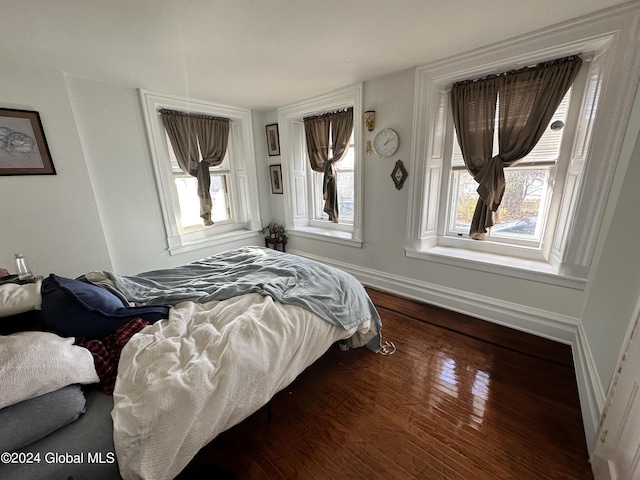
[(220, 208), (464, 189), (347, 162), (187, 188), (345, 182), (522, 209), (345, 196), (547, 148)]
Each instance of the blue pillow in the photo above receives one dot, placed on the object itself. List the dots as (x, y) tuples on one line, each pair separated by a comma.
[(73, 308)]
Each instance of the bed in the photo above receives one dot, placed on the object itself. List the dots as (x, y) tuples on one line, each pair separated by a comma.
[(198, 349)]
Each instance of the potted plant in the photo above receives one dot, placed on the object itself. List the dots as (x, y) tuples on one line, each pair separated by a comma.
[(275, 231)]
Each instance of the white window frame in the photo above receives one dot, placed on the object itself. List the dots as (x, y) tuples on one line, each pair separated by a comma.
[(556, 173), (296, 172), (243, 188), (607, 41), (526, 249)]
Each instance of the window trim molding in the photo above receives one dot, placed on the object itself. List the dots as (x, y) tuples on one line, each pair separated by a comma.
[(297, 216), (244, 201), (611, 35)]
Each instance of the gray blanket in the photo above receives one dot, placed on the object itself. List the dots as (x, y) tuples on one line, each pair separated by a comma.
[(332, 294)]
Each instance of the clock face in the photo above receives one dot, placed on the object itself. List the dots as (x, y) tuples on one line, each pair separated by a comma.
[(386, 142)]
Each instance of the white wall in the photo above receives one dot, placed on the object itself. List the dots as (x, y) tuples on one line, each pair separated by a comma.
[(275, 201), (101, 211), (613, 290), (112, 131), (52, 219)]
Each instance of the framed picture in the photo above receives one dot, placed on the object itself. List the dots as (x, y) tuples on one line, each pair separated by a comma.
[(273, 140), (399, 174), (23, 147), (275, 172)]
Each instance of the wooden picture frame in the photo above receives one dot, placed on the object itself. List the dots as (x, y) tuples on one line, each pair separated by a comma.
[(275, 173), (23, 146), (273, 140)]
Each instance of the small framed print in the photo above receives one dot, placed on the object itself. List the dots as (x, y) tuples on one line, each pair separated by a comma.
[(273, 140), (23, 146), (399, 174), (275, 172)]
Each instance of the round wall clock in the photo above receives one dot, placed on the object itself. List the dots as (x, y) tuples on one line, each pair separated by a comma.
[(386, 142)]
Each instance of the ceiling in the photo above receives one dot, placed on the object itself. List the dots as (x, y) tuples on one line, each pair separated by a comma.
[(259, 54)]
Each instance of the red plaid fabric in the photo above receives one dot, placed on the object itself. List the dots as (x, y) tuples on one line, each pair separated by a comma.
[(106, 352)]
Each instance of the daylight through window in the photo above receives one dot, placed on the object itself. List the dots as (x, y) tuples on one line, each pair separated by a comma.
[(345, 181), (187, 190), (525, 204)]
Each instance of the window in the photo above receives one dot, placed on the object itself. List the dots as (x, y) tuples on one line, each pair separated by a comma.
[(530, 210), (550, 223), (187, 191), (303, 187), (345, 180), (234, 189), (529, 187)]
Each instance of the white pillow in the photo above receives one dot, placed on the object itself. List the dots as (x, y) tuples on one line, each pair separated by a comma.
[(15, 299), (35, 363)]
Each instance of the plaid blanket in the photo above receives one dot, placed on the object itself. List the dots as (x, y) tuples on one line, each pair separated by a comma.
[(106, 352)]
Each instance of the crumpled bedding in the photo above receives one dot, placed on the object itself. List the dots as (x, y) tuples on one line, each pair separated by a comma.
[(332, 294), (184, 380)]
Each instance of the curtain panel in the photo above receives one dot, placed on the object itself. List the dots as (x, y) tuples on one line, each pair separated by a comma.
[(199, 142), (317, 129), (527, 99)]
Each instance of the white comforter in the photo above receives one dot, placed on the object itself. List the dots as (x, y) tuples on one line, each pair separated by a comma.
[(183, 381)]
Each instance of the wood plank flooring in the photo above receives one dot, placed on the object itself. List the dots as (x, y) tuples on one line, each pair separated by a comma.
[(460, 399)]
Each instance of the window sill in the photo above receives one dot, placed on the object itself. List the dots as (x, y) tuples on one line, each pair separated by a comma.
[(533, 270), (228, 237), (326, 235)]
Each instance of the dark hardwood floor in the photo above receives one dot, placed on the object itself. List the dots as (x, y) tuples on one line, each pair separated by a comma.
[(460, 399)]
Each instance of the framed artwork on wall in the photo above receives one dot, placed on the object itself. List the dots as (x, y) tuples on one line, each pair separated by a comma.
[(273, 140), (275, 173), (23, 146), (399, 174)]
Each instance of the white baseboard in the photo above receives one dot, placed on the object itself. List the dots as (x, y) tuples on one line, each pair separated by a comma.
[(561, 328), (590, 389)]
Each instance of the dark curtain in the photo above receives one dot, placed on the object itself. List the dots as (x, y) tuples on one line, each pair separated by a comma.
[(199, 142), (317, 135), (528, 99)]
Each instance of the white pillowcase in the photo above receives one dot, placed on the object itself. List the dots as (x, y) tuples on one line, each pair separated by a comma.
[(35, 363), (15, 299)]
